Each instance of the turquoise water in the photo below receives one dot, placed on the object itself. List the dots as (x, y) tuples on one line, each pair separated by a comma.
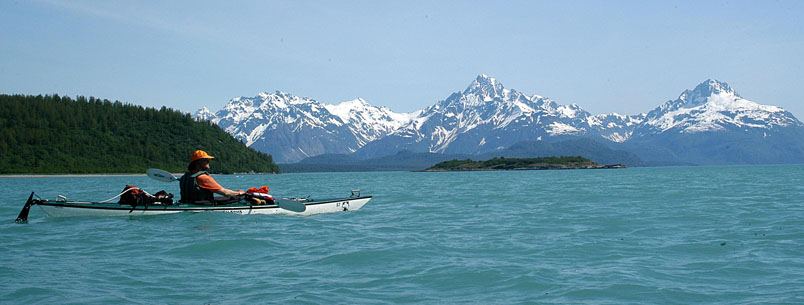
[(676, 235)]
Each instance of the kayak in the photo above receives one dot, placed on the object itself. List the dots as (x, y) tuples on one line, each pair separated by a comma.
[(146, 204), (287, 206)]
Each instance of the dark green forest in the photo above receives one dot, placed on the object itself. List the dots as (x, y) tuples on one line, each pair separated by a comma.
[(515, 163), (60, 135)]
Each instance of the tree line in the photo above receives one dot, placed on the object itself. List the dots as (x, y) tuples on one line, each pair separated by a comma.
[(50, 134)]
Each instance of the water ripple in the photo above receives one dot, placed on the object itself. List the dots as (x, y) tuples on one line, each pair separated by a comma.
[(646, 235)]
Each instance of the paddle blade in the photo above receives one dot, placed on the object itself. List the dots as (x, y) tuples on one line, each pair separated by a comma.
[(291, 205), (158, 174), (23, 217)]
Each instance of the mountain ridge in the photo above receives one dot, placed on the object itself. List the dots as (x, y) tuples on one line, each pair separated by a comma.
[(291, 127), (487, 117)]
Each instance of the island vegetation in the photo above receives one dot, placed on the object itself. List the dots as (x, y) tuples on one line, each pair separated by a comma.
[(520, 164), (51, 134)]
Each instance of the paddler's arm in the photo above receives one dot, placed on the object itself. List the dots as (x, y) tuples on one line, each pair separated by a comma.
[(230, 193), (207, 182)]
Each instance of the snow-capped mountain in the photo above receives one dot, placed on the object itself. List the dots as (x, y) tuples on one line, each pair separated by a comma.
[(486, 117), (616, 127), (291, 128), (710, 124), (713, 106), (369, 123)]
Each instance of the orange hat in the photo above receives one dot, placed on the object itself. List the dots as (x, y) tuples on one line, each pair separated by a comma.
[(200, 154)]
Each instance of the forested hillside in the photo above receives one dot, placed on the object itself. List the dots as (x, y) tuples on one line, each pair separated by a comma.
[(54, 135)]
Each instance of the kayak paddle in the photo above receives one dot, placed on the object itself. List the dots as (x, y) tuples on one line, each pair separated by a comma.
[(158, 174), (23, 217), (290, 205)]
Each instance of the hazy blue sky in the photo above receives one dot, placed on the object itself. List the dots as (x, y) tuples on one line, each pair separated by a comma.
[(606, 56)]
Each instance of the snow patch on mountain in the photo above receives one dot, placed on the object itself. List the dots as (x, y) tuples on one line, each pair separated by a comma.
[(558, 128), (369, 118), (618, 137), (615, 127), (570, 111), (255, 134), (204, 114)]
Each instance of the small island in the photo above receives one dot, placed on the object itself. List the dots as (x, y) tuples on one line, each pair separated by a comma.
[(501, 163)]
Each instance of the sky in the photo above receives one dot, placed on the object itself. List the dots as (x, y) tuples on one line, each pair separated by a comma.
[(606, 56)]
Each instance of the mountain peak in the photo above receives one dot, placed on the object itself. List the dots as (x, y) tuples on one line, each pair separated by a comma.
[(713, 87), (204, 114), (484, 77), (344, 109), (702, 93), (484, 85), (356, 102)]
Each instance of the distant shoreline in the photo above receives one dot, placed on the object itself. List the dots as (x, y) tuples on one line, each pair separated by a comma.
[(610, 166), (543, 163)]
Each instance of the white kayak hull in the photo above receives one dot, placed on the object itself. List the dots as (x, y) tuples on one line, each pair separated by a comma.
[(69, 209)]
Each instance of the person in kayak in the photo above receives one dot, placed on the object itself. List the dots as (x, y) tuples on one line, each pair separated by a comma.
[(197, 185)]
